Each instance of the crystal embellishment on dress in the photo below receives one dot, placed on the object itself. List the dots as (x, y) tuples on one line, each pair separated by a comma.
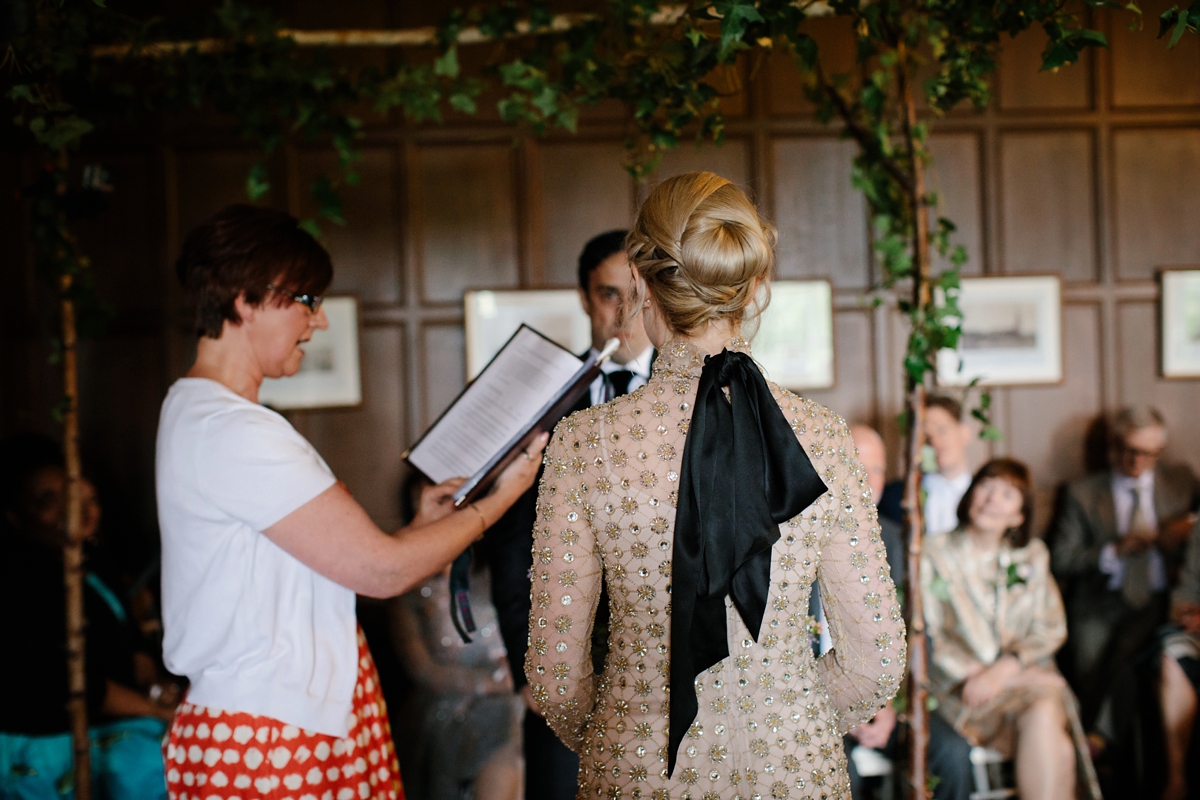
[(626, 538)]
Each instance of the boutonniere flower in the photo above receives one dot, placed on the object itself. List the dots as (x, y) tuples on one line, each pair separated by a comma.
[(1017, 575)]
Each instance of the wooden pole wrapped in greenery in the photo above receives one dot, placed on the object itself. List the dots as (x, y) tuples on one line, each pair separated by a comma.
[(79, 66)]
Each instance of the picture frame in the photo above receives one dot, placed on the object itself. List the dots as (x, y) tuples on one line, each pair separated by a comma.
[(794, 341), (330, 375), (491, 317), (1011, 333), (1179, 315)]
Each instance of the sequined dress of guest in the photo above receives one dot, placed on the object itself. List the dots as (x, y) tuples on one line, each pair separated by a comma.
[(771, 717)]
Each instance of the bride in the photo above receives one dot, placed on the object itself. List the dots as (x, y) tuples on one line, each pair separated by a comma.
[(707, 502)]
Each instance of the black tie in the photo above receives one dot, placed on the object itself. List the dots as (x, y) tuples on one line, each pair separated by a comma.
[(619, 381)]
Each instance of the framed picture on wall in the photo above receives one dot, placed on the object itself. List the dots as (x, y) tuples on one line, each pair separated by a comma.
[(794, 341), (1180, 315), (1011, 333), (330, 375), (491, 317)]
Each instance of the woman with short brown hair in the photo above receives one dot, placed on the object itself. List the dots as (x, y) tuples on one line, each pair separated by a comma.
[(263, 548)]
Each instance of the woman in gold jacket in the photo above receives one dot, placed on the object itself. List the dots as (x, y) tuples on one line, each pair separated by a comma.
[(995, 619), (707, 503)]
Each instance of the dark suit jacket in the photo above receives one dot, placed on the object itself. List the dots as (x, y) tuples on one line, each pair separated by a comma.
[(1087, 521)]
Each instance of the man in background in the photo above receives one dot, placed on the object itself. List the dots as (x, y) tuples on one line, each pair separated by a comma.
[(949, 753), (606, 289), (948, 435), (1117, 539)]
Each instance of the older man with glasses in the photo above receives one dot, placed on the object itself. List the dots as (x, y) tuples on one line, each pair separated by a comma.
[(1118, 538)]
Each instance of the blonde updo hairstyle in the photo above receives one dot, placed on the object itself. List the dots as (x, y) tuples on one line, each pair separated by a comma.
[(703, 251)]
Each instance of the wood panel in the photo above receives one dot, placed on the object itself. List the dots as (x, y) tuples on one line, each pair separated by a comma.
[(366, 251), (445, 370), (121, 389), (362, 445), (1023, 86), (585, 190), (209, 180), (785, 92), (822, 219), (1047, 204), (1157, 178), (466, 217), (126, 239), (730, 160), (854, 394), (955, 176), (1144, 71), (1044, 426), (1137, 331)]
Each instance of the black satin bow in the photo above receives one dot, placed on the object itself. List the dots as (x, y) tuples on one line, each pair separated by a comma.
[(743, 474)]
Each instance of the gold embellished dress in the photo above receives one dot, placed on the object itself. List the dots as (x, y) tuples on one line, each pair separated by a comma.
[(771, 716), (981, 605)]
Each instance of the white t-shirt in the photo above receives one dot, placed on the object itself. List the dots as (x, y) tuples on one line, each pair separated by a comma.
[(251, 627)]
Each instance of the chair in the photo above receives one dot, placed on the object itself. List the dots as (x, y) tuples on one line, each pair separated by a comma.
[(992, 779)]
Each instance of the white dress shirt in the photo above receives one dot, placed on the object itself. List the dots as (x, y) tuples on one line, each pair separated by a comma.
[(640, 367), (1111, 564), (942, 496)]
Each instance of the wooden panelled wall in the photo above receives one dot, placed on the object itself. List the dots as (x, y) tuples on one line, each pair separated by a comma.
[(1092, 173)]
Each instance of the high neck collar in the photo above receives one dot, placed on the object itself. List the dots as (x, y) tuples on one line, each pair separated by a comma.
[(682, 359)]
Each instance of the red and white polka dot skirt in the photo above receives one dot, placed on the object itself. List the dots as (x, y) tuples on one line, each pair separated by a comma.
[(220, 755)]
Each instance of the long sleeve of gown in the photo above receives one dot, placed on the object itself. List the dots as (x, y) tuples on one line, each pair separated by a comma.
[(866, 663), (566, 580)]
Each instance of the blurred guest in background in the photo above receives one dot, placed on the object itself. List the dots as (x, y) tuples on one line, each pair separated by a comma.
[(462, 728), (947, 435), (125, 723), (1180, 680), (995, 620), (605, 289), (1116, 541), (949, 753)]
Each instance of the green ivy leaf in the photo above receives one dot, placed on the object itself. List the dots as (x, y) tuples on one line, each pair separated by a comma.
[(62, 132), (311, 226), (736, 16), (257, 183), (463, 102), (446, 65), (22, 91)]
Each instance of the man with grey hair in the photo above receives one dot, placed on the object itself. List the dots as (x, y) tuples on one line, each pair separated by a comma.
[(1117, 538)]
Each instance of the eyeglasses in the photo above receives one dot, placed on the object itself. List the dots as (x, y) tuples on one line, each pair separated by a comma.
[(312, 301), (1139, 453)]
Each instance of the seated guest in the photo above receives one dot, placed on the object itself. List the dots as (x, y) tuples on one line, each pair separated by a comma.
[(1181, 679), (462, 736), (125, 725), (1117, 537), (948, 436), (995, 619), (949, 753)]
